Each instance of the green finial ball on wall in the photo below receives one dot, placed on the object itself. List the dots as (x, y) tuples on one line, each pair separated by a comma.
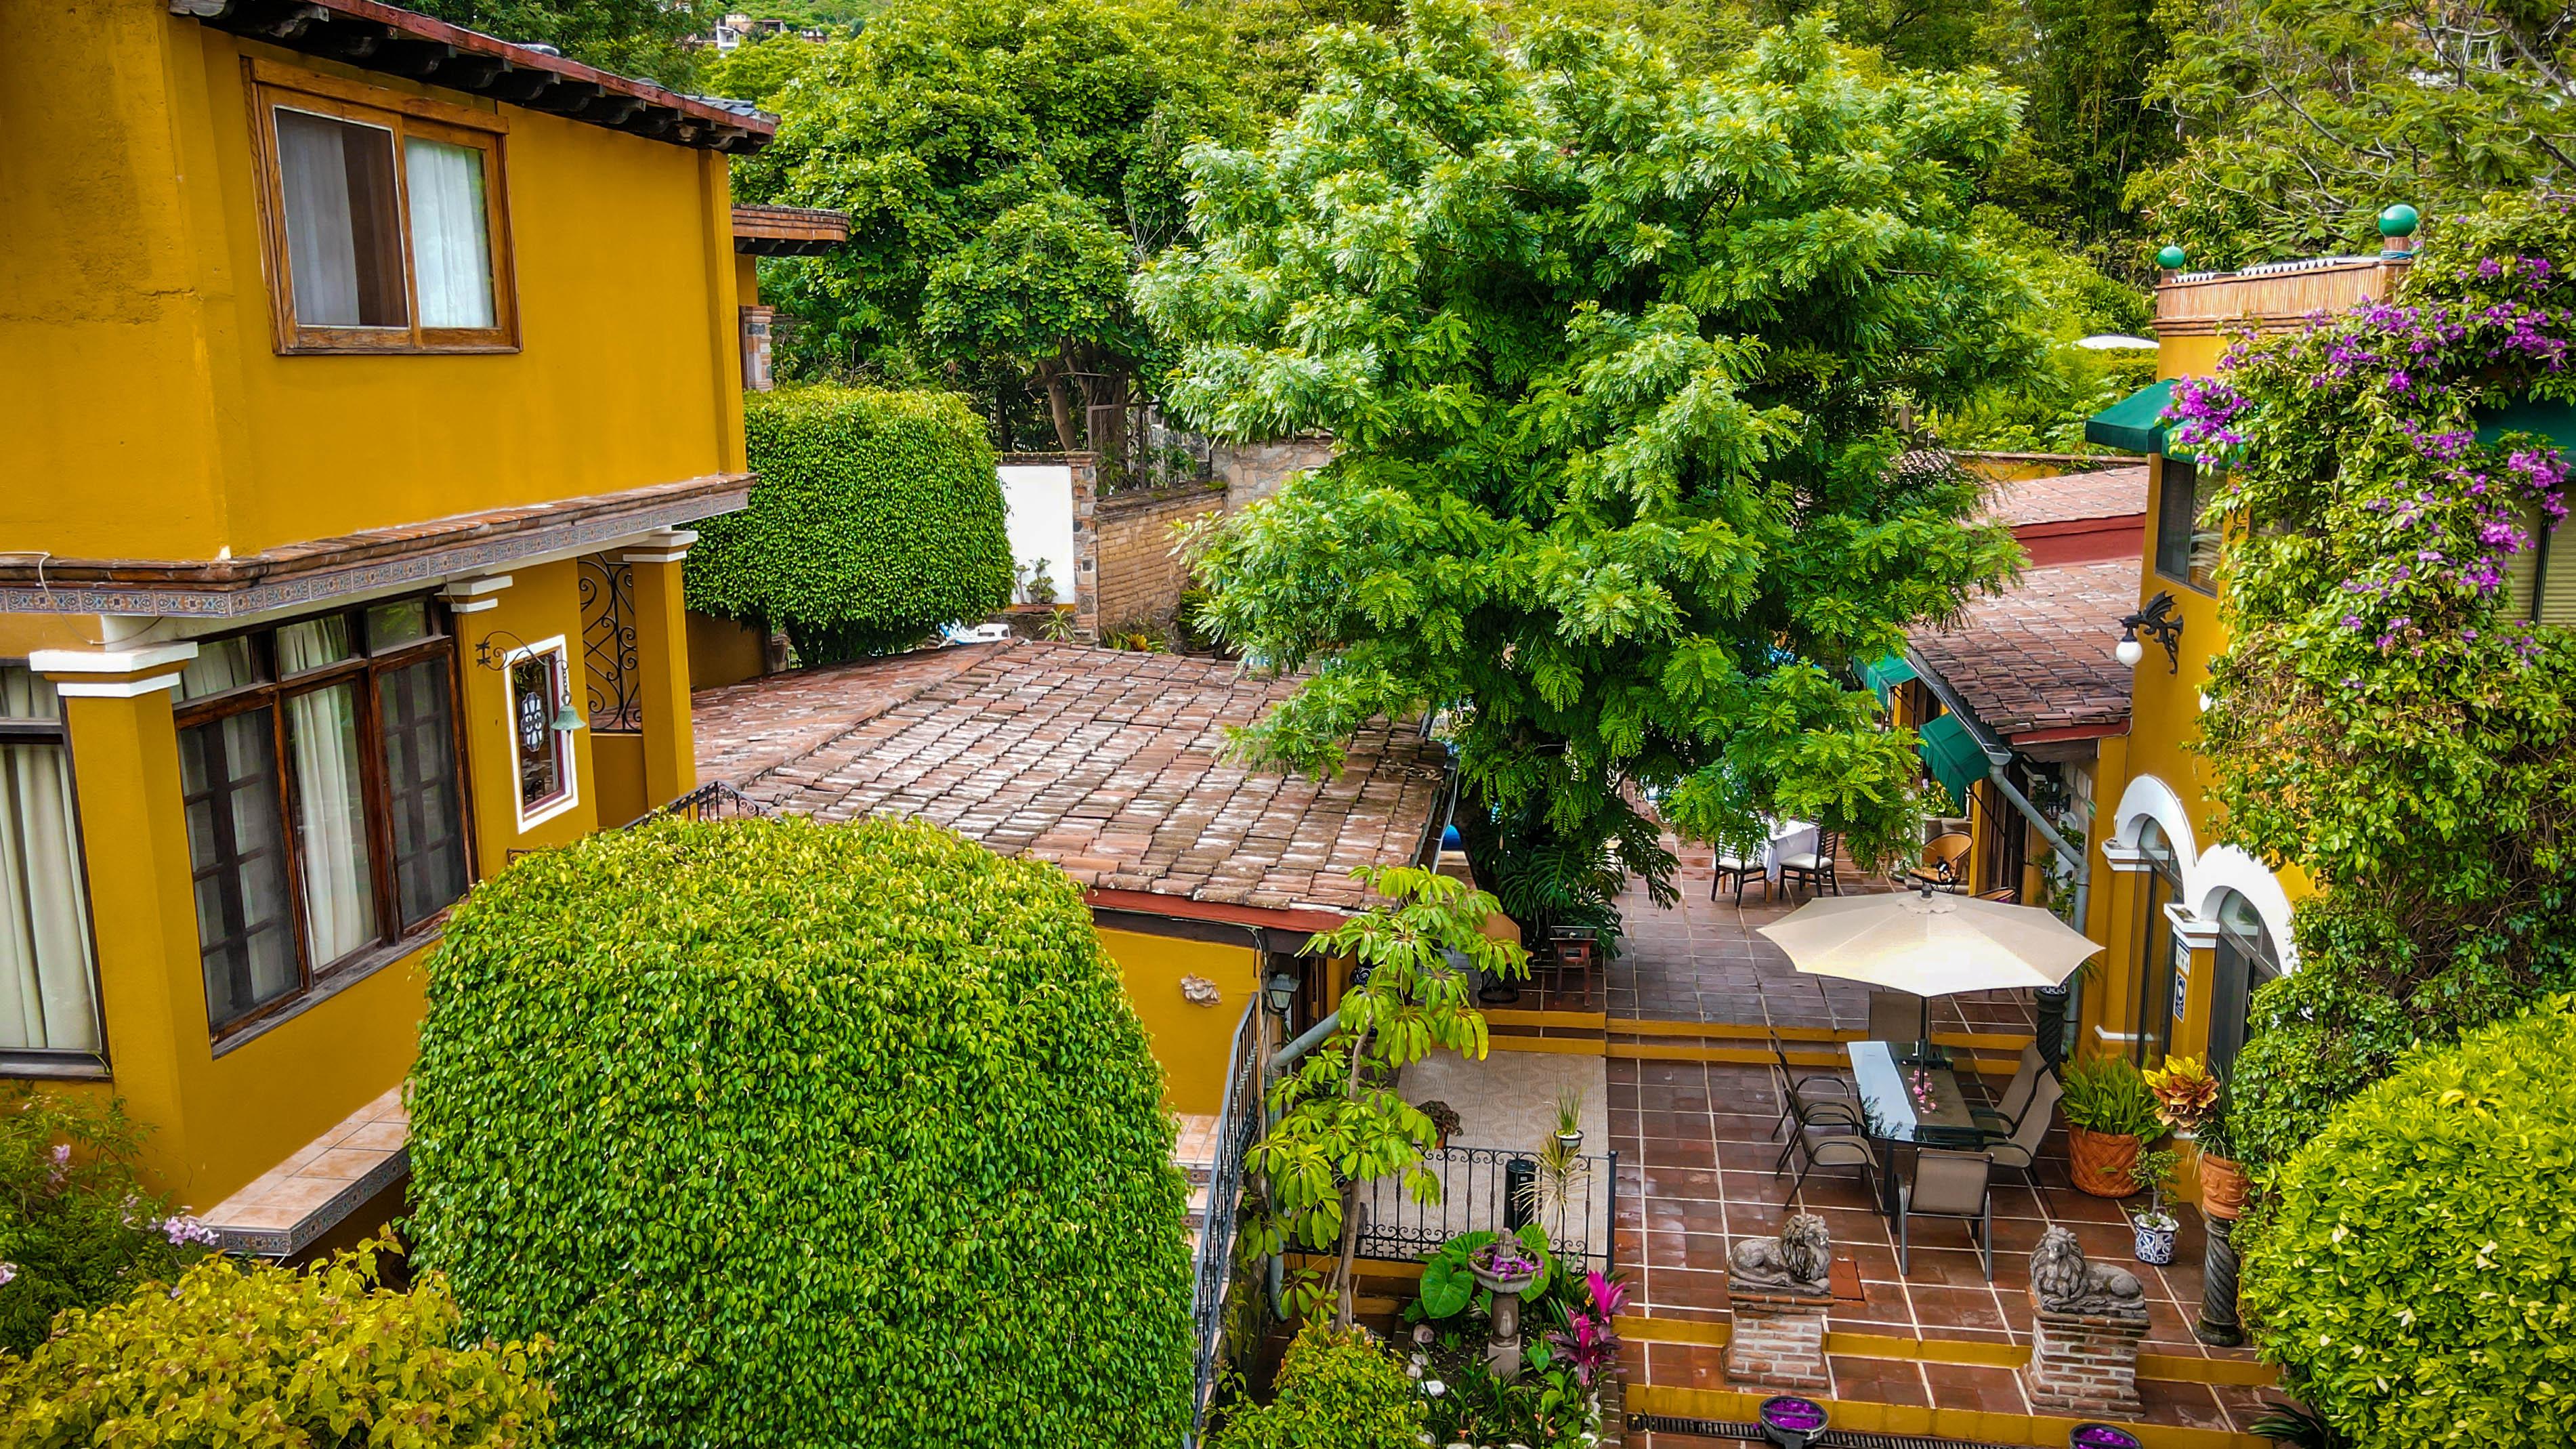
[(2398, 220), (2171, 258)]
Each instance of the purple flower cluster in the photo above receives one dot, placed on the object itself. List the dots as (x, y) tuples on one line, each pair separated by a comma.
[(182, 1230), (2204, 411)]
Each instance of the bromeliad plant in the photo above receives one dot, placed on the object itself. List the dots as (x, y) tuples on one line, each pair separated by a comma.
[(1338, 1129)]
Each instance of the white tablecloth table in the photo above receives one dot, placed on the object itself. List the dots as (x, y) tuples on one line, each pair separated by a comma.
[(1788, 837)]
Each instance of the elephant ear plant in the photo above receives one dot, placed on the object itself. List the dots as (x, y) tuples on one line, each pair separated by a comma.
[(1337, 1128)]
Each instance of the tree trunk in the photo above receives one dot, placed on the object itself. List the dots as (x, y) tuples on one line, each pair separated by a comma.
[(1059, 404), (1345, 1285)]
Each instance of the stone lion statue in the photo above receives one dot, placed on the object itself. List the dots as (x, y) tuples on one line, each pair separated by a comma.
[(1797, 1260), (2066, 1283)]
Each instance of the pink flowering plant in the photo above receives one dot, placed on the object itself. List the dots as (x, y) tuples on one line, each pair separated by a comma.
[(77, 1228), (2385, 713)]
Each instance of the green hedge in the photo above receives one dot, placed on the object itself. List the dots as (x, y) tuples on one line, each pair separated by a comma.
[(877, 518), (2416, 1273), (1334, 1391), (792, 1133)]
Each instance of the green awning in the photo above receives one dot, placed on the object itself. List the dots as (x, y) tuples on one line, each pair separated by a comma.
[(2134, 424), (1951, 754), (1886, 674), (2552, 420)]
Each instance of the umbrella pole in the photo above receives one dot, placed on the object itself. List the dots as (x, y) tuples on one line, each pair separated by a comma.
[(1923, 1042)]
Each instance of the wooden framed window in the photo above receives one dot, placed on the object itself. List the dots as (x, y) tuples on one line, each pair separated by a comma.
[(385, 219), (2187, 548), (48, 960), (321, 769), (542, 721)]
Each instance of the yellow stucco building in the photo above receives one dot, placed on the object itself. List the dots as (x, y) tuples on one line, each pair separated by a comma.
[(2194, 924), (363, 372)]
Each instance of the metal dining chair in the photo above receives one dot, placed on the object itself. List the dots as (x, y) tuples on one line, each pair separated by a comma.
[(2019, 1151), (2007, 1110), (1825, 1098), (1895, 1016), (1945, 862), (1823, 1142), (1947, 1185)]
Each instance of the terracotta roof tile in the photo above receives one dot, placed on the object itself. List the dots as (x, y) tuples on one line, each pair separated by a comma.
[(2038, 657), (1110, 764), (2068, 497)]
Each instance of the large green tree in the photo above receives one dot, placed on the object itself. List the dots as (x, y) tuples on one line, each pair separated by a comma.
[(1612, 350), (2304, 117), (1006, 167)]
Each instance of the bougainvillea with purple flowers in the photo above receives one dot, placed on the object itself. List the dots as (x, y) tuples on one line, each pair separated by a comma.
[(2385, 715)]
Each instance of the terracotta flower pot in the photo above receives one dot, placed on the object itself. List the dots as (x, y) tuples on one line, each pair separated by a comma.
[(2100, 1162), (2222, 1186)]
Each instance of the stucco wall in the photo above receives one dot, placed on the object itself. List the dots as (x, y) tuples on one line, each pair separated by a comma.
[(136, 342)]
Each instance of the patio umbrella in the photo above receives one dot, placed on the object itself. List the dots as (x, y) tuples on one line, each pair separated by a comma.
[(1930, 943)]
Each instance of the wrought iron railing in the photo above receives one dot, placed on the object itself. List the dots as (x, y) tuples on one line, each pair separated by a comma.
[(714, 800), (1478, 1193), (1238, 1124), (608, 643)]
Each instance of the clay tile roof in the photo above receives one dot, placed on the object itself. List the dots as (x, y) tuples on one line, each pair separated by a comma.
[(1110, 764), (2069, 497), (2038, 657)]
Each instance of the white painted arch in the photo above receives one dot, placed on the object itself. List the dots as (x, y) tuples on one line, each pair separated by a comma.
[(2205, 874)]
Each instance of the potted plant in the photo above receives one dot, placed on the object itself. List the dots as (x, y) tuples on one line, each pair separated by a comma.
[(2191, 1099), (1569, 1119), (2156, 1227), (2110, 1116)]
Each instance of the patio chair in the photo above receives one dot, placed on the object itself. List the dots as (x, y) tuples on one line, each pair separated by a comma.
[(1825, 1146), (1945, 863), (1739, 870), (1895, 1016), (2007, 1110), (1815, 869), (2004, 897), (1824, 1097), (2020, 1151), (1947, 1185)]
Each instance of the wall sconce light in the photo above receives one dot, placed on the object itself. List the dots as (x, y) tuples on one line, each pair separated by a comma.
[(2157, 621), (1280, 991), (566, 719)]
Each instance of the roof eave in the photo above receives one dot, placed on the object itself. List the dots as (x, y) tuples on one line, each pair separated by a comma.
[(403, 43)]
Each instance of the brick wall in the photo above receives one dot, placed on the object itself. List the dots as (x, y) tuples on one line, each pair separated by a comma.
[(2083, 1363), (1137, 576), (1778, 1341), (1255, 470)]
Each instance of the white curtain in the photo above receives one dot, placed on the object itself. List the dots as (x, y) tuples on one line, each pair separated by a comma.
[(321, 239), (48, 985), (330, 802), (451, 252)]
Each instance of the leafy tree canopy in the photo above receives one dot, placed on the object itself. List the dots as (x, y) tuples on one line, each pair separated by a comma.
[(1005, 167), (2305, 117), (1611, 350)]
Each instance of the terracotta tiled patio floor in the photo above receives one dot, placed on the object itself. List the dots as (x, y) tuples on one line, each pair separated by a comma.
[(1703, 960), (1695, 1159)]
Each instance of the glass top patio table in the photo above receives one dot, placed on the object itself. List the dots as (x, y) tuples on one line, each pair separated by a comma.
[(1906, 1102)]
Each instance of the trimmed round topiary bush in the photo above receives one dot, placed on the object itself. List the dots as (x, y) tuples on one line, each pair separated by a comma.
[(793, 1133), (877, 518), (2416, 1274)]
